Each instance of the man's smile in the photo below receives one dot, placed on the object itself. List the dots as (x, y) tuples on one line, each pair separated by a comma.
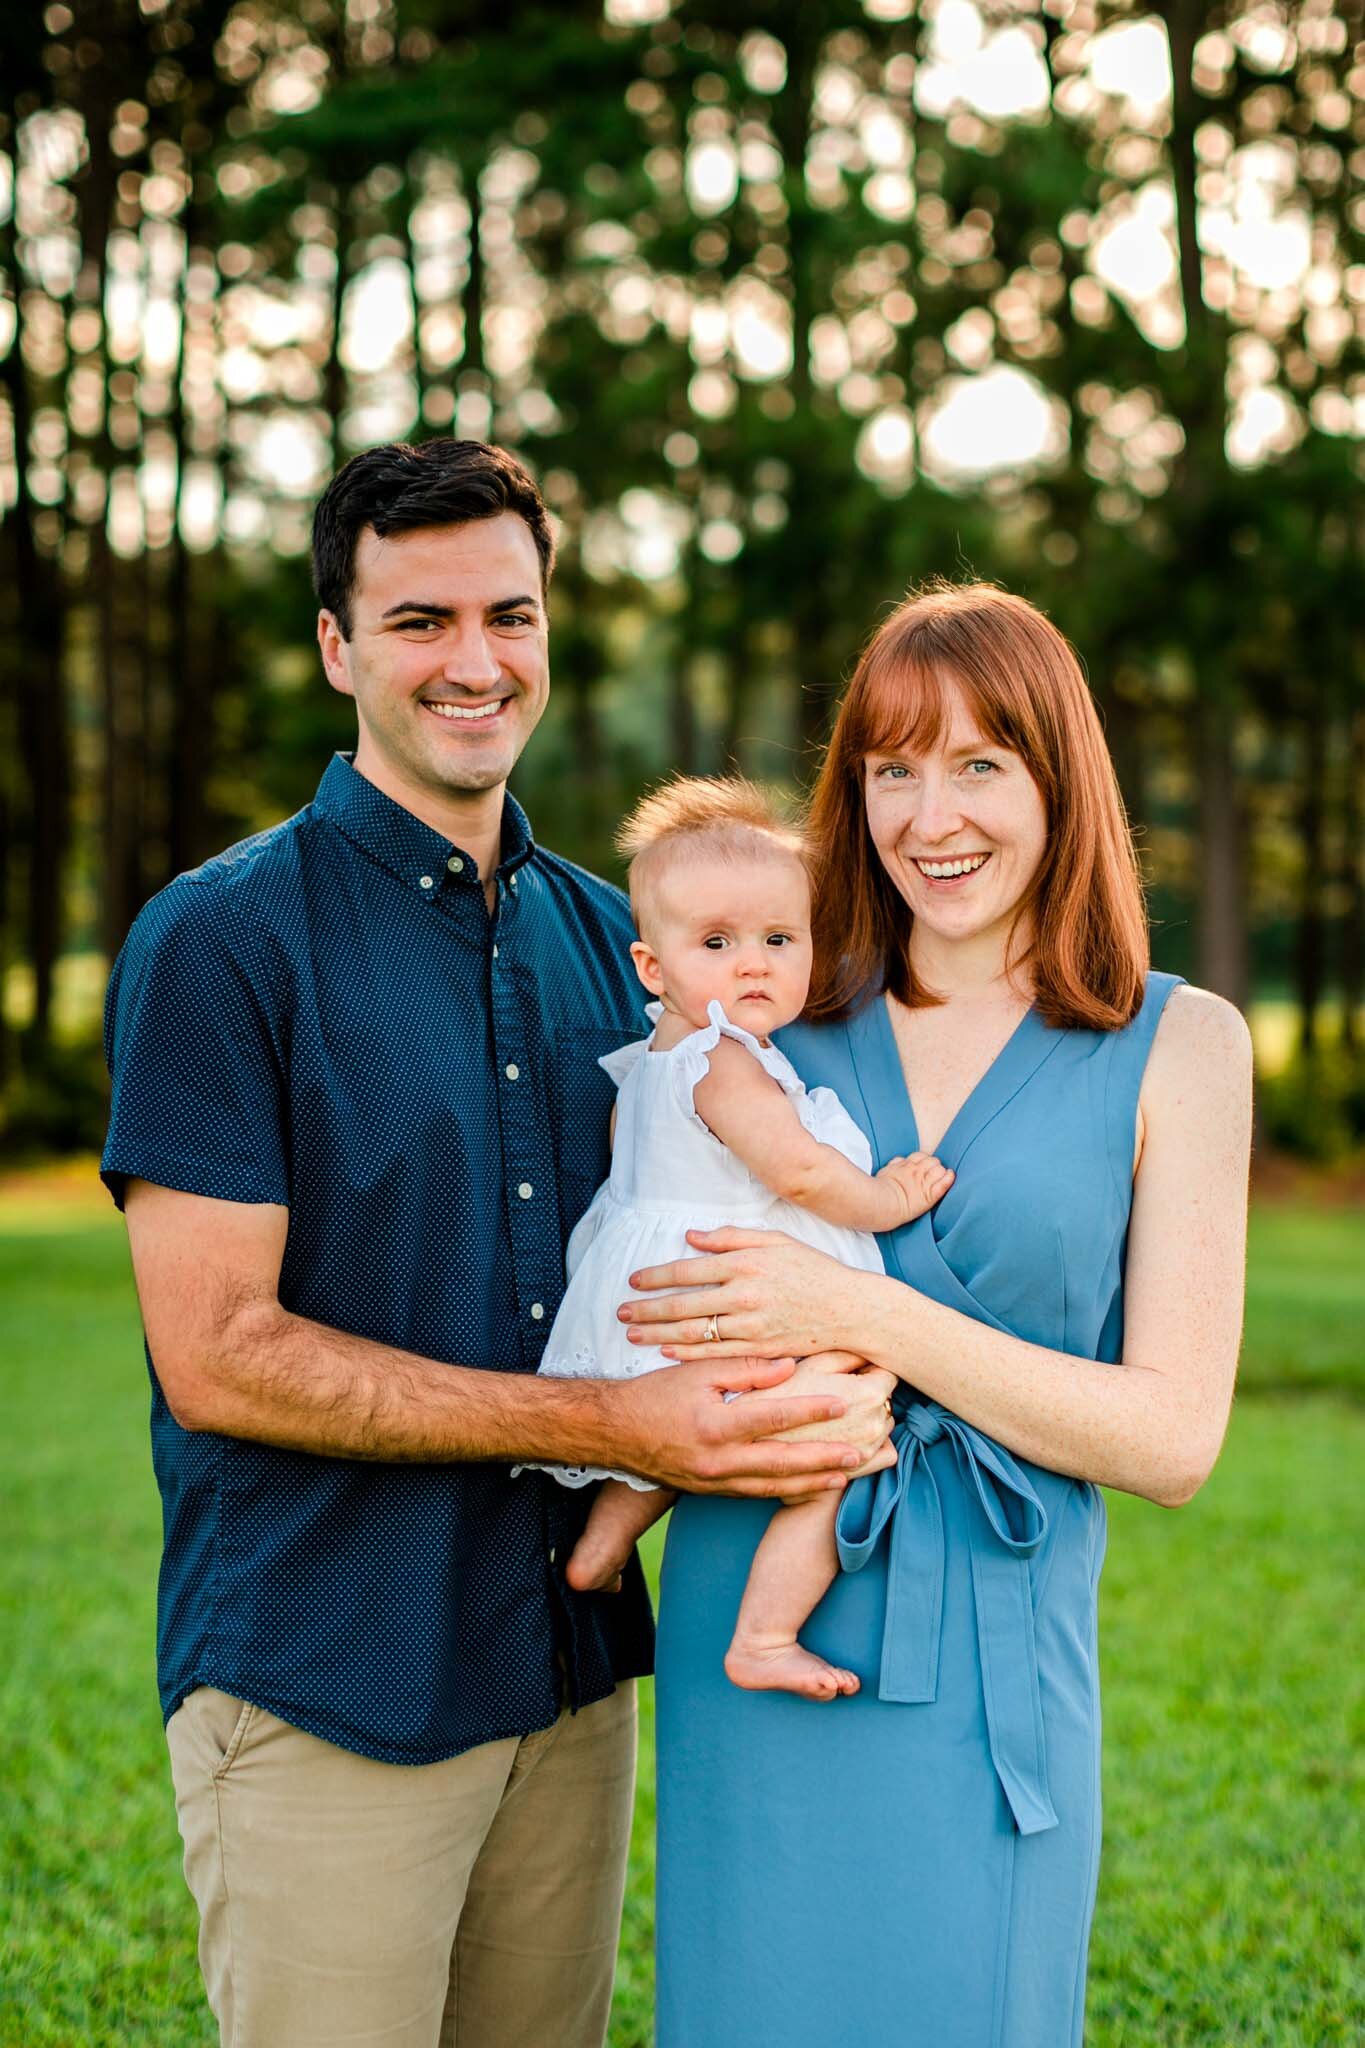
[(465, 714)]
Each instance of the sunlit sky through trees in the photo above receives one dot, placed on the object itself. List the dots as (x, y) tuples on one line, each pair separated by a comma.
[(256, 340)]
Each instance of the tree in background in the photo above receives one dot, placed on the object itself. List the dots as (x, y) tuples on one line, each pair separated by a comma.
[(789, 306)]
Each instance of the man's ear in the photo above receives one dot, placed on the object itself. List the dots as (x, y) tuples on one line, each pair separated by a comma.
[(333, 647), (647, 967)]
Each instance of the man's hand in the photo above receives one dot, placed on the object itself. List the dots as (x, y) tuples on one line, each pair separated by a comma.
[(231, 1358), (677, 1427)]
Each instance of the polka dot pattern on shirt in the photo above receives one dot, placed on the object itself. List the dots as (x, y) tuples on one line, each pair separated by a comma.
[(327, 1017)]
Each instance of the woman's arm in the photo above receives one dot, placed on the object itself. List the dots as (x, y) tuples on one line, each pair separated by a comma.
[(1153, 1426), (748, 1111)]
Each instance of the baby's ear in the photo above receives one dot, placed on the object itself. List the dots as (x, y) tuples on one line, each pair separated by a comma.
[(647, 967)]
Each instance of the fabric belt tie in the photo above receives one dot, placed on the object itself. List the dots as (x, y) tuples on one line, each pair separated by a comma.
[(903, 1503)]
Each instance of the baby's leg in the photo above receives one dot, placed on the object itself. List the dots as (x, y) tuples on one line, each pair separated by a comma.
[(616, 1521), (793, 1568)]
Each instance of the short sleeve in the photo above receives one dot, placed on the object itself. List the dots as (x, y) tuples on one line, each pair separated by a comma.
[(192, 1036), (624, 1060), (690, 1060)]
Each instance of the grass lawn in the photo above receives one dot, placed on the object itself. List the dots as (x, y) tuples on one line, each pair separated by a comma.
[(1234, 1691)]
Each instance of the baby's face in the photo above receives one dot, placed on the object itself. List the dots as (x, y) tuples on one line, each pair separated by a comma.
[(731, 932)]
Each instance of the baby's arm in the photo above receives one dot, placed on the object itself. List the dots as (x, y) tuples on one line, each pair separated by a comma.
[(754, 1119)]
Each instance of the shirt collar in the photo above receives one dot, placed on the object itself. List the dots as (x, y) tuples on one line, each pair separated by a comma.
[(400, 842)]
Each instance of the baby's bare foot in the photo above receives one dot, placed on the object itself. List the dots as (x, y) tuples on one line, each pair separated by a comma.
[(595, 1565), (786, 1667)]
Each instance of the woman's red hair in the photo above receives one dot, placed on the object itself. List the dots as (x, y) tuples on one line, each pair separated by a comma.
[(1089, 953)]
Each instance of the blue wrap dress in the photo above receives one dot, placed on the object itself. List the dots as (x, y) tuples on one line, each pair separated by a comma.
[(915, 1867)]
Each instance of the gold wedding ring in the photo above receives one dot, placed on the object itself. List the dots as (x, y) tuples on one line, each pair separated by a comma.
[(712, 1334)]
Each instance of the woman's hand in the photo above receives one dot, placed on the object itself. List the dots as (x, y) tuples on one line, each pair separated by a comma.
[(772, 1298), (866, 1388)]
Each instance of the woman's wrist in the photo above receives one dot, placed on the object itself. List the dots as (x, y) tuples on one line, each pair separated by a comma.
[(881, 1307)]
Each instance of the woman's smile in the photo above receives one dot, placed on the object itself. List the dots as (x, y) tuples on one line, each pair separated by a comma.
[(947, 871)]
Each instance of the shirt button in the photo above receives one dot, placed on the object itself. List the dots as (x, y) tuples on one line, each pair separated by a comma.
[(512, 1071), (495, 952), (513, 881), (427, 883), (537, 1311), (526, 1191), (455, 864)]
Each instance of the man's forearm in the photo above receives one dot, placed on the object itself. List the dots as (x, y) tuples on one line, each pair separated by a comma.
[(283, 1379)]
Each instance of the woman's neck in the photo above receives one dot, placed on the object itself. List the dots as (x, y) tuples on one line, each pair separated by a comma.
[(971, 969)]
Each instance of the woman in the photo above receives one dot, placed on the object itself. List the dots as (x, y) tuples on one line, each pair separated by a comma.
[(917, 1864)]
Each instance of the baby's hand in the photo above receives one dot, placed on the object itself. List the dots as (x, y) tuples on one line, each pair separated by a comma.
[(912, 1185)]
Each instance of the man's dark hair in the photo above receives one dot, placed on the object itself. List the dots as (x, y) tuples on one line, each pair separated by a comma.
[(400, 488)]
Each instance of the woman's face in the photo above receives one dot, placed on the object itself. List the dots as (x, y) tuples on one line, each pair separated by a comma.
[(960, 829)]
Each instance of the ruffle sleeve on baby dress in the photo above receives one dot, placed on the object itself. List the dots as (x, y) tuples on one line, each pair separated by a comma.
[(616, 1065), (820, 1110), (689, 1061)]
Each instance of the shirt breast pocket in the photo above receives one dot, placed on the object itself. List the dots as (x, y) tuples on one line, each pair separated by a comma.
[(581, 1101)]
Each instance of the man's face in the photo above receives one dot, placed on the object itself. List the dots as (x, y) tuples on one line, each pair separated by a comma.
[(447, 658)]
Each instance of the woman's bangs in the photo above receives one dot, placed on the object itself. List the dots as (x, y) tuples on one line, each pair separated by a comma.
[(904, 706), (900, 706)]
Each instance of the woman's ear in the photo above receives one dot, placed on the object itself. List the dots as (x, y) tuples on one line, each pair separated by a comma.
[(647, 967)]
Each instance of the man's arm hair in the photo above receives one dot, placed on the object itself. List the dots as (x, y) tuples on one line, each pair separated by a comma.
[(232, 1359)]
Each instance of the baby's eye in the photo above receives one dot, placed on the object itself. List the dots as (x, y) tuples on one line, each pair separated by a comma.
[(779, 938), (715, 942)]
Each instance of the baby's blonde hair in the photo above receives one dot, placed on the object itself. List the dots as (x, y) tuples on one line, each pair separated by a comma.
[(723, 817)]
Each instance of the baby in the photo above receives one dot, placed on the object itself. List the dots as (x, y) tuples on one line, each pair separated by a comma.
[(712, 1126)]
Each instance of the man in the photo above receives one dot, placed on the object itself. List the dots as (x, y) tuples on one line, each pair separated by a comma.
[(356, 1112)]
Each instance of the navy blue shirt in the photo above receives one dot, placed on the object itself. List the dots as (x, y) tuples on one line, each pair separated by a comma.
[(328, 1017)]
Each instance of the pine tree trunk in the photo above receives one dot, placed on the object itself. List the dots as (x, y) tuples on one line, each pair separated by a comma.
[(334, 373), (101, 88), (1309, 944), (406, 200), (187, 677), (1199, 535), (1353, 877), (809, 611), (1222, 949), (473, 373), (39, 691)]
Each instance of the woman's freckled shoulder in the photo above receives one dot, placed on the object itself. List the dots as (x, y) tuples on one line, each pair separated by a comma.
[(1201, 1039)]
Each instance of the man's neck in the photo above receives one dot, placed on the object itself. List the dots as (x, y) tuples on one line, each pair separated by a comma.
[(472, 821)]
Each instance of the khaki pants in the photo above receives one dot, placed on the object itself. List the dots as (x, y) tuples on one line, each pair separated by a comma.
[(468, 1904)]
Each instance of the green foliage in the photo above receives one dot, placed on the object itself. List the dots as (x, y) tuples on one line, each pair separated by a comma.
[(1234, 1822), (522, 173), (1315, 1108), (57, 1101)]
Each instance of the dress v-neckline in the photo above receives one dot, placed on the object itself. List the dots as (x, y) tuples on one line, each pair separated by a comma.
[(1028, 1045)]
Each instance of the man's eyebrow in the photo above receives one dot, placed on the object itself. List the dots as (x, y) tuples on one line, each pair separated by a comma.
[(434, 608)]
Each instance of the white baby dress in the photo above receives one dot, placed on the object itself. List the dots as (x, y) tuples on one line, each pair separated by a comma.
[(671, 1174)]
